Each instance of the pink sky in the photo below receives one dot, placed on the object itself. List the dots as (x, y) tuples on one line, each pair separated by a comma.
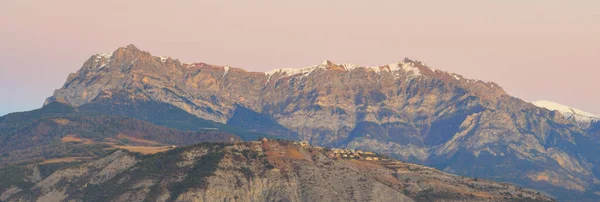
[(535, 49)]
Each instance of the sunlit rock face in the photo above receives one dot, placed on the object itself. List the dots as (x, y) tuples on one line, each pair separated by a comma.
[(405, 109)]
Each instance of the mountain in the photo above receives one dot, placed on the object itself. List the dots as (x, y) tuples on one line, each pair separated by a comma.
[(406, 110), (250, 171), (583, 119), (59, 132)]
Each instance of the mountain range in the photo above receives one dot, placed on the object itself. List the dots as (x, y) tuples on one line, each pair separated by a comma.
[(405, 110)]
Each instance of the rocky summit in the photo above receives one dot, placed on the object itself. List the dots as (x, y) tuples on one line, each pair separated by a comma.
[(263, 170), (406, 110)]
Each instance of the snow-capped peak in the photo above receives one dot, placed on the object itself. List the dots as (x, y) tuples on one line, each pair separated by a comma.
[(580, 117)]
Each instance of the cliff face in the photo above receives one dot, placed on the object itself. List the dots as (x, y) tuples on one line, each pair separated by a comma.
[(256, 171), (406, 110)]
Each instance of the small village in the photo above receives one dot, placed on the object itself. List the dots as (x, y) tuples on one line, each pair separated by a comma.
[(336, 153), (354, 154)]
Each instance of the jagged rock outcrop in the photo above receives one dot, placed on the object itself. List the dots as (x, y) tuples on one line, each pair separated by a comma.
[(405, 109), (258, 171)]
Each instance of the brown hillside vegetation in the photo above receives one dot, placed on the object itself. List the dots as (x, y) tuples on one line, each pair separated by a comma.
[(146, 150), (137, 141), (73, 138), (66, 160)]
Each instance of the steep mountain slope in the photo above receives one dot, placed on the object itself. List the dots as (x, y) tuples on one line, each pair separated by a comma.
[(59, 132), (251, 171), (164, 114), (405, 109)]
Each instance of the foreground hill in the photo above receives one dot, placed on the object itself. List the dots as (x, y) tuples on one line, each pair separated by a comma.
[(406, 110), (59, 132), (251, 171)]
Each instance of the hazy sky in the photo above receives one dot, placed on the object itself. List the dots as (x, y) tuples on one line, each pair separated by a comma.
[(535, 49)]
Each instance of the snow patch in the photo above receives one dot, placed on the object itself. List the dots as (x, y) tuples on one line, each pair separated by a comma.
[(456, 76), (409, 67), (163, 58), (394, 67), (226, 70), (99, 57), (292, 72), (105, 55), (349, 66)]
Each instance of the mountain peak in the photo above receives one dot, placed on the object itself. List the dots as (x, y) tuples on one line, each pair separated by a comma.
[(131, 47)]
